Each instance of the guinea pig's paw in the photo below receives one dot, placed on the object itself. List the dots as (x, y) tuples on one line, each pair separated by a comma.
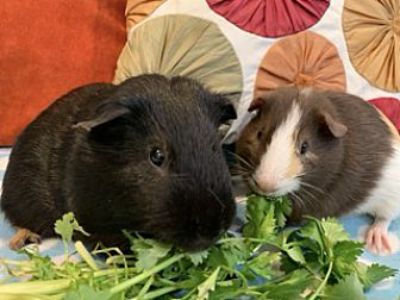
[(22, 237), (380, 241)]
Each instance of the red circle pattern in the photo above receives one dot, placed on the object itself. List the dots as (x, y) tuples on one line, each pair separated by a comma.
[(271, 18)]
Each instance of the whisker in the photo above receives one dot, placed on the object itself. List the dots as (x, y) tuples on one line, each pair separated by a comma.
[(243, 173), (312, 187), (310, 194), (242, 159), (240, 168), (298, 199)]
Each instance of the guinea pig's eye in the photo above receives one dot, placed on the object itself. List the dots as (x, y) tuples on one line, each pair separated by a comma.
[(157, 157), (304, 147), (259, 134)]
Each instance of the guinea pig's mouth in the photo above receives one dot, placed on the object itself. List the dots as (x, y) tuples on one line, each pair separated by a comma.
[(198, 244), (286, 187)]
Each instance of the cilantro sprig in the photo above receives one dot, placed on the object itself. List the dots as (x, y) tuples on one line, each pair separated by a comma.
[(268, 261)]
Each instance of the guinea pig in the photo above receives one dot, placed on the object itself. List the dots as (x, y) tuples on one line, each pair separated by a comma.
[(332, 153), (144, 156)]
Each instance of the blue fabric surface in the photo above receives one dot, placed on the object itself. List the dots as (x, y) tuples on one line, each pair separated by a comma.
[(386, 290)]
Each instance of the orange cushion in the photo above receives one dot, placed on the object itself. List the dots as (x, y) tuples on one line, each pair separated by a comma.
[(49, 47)]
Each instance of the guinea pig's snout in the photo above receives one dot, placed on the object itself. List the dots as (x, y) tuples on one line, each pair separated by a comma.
[(199, 243), (264, 184)]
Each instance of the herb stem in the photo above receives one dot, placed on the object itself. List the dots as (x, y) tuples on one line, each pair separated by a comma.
[(112, 272), (86, 256), (323, 283), (238, 273), (316, 275), (156, 293), (131, 282), (42, 287), (146, 287)]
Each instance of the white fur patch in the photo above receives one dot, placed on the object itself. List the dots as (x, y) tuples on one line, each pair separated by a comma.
[(306, 92), (274, 164), (384, 200)]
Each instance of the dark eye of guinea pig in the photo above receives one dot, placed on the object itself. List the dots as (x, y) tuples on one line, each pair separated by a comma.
[(259, 134), (157, 157), (304, 147)]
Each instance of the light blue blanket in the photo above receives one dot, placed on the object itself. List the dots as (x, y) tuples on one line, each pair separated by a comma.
[(386, 290)]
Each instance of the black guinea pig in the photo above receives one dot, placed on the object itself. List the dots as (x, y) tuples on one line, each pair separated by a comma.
[(144, 156)]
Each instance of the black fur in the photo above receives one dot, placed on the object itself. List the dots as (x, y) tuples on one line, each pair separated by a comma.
[(89, 153)]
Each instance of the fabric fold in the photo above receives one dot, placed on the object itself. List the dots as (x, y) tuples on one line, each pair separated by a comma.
[(390, 107), (372, 32), (304, 59), (271, 18), (138, 10), (182, 45)]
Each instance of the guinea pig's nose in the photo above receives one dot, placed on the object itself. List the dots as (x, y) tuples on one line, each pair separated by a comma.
[(266, 185)]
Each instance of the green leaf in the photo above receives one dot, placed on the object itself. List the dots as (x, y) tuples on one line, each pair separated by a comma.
[(311, 232), (207, 286), (296, 254), (345, 257), (349, 288), (198, 257), (303, 262), (268, 225), (265, 264), (256, 209), (290, 288), (228, 254), (43, 265), (283, 209), (86, 292), (149, 252), (227, 291), (265, 215), (235, 252), (334, 231), (66, 227), (370, 275), (216, 258)]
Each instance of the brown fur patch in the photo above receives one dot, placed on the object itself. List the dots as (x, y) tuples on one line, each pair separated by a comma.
[(295, 167)]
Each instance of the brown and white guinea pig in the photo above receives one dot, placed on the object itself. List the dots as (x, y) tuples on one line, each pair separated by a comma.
[(144, 155), (332, 153)]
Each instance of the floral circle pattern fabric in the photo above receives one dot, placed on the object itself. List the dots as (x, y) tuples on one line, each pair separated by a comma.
[(390, 107), (372, 32), (271, 18), (138, 10), (304, 59), (182, 45)]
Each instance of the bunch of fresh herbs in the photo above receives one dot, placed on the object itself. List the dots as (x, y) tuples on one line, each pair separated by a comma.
[(267, 261)]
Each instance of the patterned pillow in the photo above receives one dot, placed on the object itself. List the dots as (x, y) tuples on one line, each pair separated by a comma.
[(285, 42)]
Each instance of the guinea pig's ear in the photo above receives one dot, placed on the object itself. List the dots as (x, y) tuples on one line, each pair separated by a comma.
[(105, 116), (221, 109), (256, 104), (109, 127), (333, 126)]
